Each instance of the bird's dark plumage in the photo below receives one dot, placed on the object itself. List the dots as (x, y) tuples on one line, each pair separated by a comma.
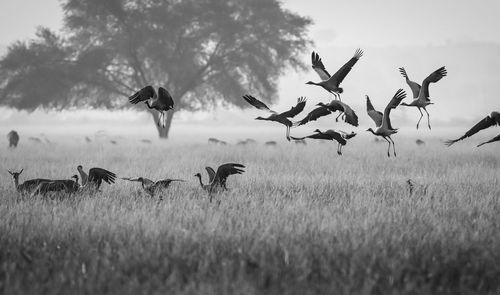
[(489, 121), (257, 103), (144, 94)]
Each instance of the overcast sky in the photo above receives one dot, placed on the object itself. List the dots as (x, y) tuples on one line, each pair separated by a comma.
[(337, 24)]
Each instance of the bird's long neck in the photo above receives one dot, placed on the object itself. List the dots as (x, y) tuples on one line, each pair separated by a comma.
[(372, 132), (84, 176), (149, 106), (201, 182)]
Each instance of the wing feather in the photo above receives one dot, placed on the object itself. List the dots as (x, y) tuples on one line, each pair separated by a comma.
[(319, 67), (294, 111), (395, 101), (313, 115), (145, 93), (414, 86), (227, 169), (339, 76), (433, 78), (165, 98), (257, 103), (211, 174), (376, 116), (485, 123)]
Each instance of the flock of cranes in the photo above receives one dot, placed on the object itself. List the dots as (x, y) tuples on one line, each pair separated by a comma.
[(162, 102)]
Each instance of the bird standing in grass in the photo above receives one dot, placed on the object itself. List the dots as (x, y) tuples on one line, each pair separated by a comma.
[(95, 177), (150, 186), (280, 118), (332, 83), (421, 93), (489, 121), (383, 121), (340, 136), (162, 102), (217, 180)]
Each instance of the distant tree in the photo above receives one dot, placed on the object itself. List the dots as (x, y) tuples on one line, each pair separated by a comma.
[(205, 52)]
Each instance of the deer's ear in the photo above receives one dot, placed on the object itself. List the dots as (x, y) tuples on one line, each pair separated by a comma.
[(21, 171), (10, 172)]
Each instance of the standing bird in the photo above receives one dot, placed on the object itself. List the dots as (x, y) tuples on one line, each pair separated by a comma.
[(340, 136), (280, 118), (383, 121), (421, 93), (332, 83), (162, 102), (151, 187), (491, 120), (95, 177), (217, 180), (349, 116), (13, 138)]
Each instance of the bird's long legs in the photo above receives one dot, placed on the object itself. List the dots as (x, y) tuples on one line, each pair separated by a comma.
[(393, 146), (421, 116), (337, 119), (389, 147), (339, 149), (288, 133), (428, 119)]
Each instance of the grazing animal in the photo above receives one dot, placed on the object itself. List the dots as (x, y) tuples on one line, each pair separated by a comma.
[(420, 142), (95, 177), (146, 141), (332, 83), (162, 102), (50, 186), (213, 140), (349, 116), (280, 118), (29, 185), (87, 139), (13, 138), (340, 136), (217, 180), (489, 121), (383, 121), (270, 143), (421, 93), (150, 186), (35, 139)]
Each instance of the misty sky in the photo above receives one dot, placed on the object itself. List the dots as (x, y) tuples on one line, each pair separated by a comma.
[(339, 27)]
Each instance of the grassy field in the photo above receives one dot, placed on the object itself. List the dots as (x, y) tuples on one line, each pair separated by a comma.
[(301, 220)]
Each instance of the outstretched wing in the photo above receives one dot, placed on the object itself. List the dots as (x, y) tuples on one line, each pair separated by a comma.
[(257, 103), (376, 116), (496, 138), (98, 175), (433, 78), (483, 124), (319, 67), (165, 98), (339, 76), (142, 95), (414, 86), (294, 111), (313, 116), (395, 101), (165, 183), (227, 169), (211, 174), (350, 115), (130, 178)]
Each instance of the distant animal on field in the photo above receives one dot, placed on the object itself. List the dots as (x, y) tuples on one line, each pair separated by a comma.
[(87, 139), (420, 142), (35, 139), (150, 186), (13, 138), (213, 140), (148, 141), (270, 143), (28, 186)]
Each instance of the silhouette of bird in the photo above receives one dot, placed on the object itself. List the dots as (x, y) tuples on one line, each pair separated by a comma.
[(270, 143), (217, 180), (280, 118), (489, 121), (150, 186), (349, 116), (13, 138), (162, 102), (383, 121), (95, 177), (340, 136), (421, 93), (332, 83)]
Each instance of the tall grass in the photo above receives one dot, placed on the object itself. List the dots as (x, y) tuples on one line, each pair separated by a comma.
[(301, 220)]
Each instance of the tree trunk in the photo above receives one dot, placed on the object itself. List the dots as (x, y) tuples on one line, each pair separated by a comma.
[(163, 132)]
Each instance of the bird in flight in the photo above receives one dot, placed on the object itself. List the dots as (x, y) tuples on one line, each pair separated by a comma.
[(161, 101), (487, 122), (217, 180), (348, 115), (332, 83), (281, 117), (421, 93), (150, 186), (340, 136), (383, 121)]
